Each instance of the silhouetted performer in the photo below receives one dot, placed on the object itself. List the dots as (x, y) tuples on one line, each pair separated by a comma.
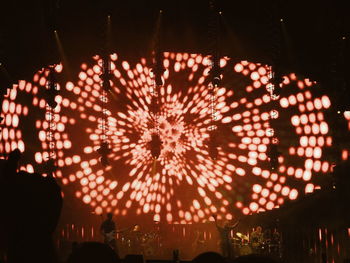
[(225, 241), (108, 230)]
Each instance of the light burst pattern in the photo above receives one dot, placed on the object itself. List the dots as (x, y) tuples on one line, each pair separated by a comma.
[(184, 185)]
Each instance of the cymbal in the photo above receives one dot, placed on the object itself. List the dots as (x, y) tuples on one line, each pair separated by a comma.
[(136, 228), (242, 236)]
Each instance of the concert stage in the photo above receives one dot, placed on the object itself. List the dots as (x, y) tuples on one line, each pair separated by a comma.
[(173, 128)]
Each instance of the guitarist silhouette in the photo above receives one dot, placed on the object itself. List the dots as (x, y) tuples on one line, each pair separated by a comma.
[(108, 230)]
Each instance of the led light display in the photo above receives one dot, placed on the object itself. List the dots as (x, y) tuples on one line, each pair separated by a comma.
[(184, 185)]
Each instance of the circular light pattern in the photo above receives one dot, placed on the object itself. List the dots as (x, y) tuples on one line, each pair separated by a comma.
[(184, 185)]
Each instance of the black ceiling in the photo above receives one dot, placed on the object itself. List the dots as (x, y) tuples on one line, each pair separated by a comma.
[(312, 39)]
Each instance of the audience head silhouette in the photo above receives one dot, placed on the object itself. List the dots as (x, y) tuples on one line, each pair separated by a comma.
[(209, 257), (254, 259), (93, 252)]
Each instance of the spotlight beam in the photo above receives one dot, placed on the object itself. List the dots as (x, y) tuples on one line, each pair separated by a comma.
[(288, 43), (155, 39), (62, 55)]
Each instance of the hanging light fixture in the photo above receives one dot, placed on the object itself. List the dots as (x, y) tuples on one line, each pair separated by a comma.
[(156, 142), (277, 82), (158, 70), (104, 151), (273, 155), (213, 144), (215, 81), (50, 94), (52, 89), (106, 76), (213, 133), (215, 71), (274, 89)]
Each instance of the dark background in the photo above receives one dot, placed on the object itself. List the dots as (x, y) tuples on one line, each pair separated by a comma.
[(312, 42)]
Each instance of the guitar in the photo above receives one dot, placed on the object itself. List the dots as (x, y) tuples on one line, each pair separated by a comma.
[(109, 236)]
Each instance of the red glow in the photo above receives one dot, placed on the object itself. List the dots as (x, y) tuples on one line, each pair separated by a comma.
[(184, 119)]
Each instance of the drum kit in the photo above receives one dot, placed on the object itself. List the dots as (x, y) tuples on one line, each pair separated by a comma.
[(135, 241), (243, 246)]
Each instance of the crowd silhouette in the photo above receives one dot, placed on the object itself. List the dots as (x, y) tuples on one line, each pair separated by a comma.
[(30, 208)]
